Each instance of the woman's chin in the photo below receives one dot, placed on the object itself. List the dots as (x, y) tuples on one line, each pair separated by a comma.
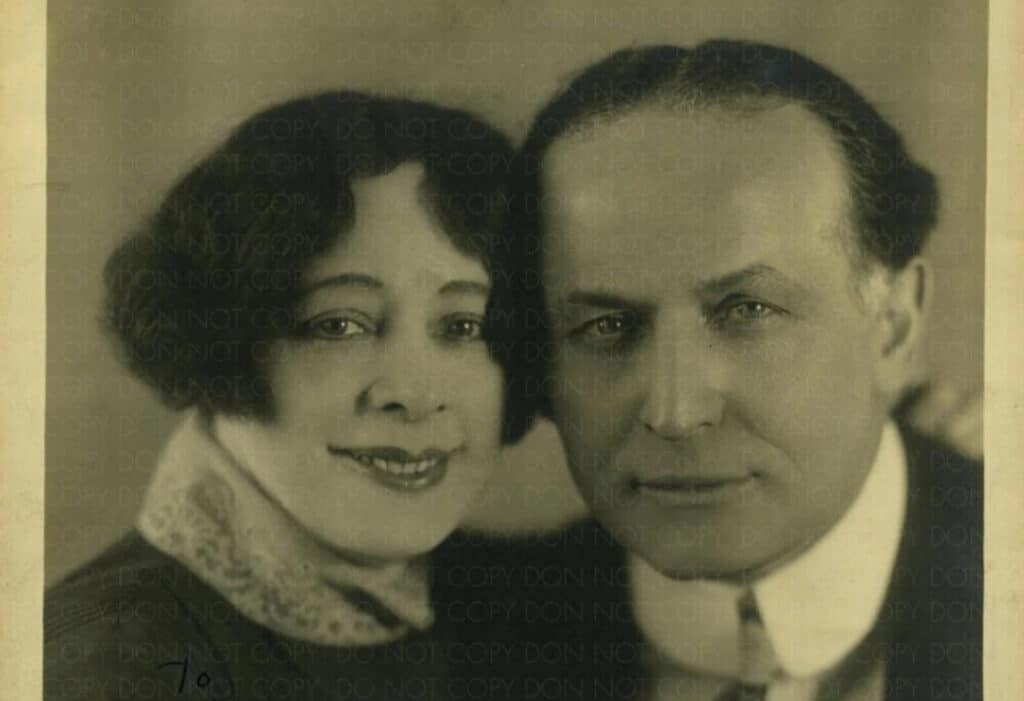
[(379, 548)]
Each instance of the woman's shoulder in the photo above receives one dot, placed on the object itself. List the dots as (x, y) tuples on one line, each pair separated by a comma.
[(134, 623), (129, 624), (130, 580)]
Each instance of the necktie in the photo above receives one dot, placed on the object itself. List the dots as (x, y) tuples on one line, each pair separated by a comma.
[(757, 663)]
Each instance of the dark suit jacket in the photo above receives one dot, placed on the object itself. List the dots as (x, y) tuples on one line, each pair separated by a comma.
[(573, 632)]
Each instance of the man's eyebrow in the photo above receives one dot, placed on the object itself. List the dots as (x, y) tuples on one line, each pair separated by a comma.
[(600, 298), (344, 280), (464, 287), (745, 276)]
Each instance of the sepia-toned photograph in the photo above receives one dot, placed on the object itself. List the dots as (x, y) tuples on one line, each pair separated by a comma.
[(492, 350)]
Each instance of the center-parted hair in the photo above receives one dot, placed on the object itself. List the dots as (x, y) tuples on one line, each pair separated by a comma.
[(893, 199), (198, 294)]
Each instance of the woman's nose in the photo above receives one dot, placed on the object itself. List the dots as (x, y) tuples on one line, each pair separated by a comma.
[(409, 399), (406, 385)]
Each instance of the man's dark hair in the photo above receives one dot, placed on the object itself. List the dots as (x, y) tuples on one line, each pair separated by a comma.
[(894, 200), (198, 294)]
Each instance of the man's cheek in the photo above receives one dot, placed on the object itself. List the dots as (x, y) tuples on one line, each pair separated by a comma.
[(798, 385), (582, 426), (606, 426), (579, 404), (584, 429)]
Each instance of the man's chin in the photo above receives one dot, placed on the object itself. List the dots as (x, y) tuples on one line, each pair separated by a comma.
[(684, 567), (692, 556)]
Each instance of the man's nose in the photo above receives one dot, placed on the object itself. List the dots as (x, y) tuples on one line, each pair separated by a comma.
[(682, 397), (405, 384)]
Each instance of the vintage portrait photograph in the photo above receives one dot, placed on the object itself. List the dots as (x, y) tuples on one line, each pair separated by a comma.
[(518, 351)]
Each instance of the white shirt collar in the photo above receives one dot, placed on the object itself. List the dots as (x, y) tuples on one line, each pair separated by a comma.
[(815, 609)]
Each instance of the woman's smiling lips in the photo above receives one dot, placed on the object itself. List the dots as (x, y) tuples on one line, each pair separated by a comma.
[(397, 468)]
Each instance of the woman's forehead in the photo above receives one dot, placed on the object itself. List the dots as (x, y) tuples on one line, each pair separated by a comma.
[(399, 188), (394, 237)]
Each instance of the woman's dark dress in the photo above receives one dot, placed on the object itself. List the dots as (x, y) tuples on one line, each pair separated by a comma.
[(136, 624)]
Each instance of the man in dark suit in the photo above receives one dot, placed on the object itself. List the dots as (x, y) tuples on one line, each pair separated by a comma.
[(729, 239)]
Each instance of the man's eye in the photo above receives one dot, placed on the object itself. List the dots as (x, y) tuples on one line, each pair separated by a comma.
[(745, 311), (608, 328), (463, 328), (335, 327), (750, 310)]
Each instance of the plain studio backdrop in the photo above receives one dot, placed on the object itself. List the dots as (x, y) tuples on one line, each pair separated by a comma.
[(137, 93)]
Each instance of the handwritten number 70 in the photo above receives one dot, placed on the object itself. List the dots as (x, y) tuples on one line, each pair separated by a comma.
[(202, 681)]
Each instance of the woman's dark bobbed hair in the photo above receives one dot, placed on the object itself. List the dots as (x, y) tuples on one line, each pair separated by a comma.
[(196, 296)]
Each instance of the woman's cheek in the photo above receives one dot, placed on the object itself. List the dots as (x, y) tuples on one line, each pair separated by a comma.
[(481, 391)]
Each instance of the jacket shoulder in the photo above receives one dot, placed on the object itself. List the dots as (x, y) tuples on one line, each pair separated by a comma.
[(937, 456), (129, 582), (948, 484), (128, 624)]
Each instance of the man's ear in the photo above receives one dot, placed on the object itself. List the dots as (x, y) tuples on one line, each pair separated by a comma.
[(902, 309)]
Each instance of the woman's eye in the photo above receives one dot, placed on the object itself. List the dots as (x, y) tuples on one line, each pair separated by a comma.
[(463, 329), (336, 327)]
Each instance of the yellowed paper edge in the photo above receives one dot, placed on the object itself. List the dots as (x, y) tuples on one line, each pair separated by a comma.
[(1004, 357), (22, 347), (22, 352)]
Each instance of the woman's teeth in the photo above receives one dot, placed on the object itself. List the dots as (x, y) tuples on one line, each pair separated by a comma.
[(397, 468)]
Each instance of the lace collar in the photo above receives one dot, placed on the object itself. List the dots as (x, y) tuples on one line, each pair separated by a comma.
[(203, 510)]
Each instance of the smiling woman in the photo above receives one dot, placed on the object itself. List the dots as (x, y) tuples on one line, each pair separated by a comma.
[(320, 297), (385, 389)]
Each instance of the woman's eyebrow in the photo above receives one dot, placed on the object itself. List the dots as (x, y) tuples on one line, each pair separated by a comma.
[(465, 286), (344, 280)]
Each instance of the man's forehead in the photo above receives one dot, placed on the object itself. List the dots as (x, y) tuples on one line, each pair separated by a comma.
[(714, 139), (710, 186), (690, 162)]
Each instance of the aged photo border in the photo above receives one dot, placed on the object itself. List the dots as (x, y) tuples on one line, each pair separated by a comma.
[(22, 351)]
